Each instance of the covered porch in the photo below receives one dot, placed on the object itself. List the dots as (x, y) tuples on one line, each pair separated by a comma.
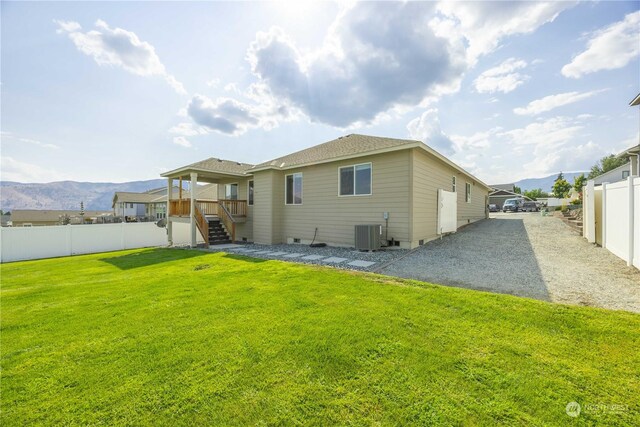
[(205, 214)]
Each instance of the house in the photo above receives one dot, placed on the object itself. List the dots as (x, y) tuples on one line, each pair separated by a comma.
[(320, 193), (499, 196), (614, 175), (152, 204), (6, 219), (37, 217), (506, 187)]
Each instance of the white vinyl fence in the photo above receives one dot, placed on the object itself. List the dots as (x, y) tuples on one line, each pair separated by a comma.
[(24, 243), (612, 219)]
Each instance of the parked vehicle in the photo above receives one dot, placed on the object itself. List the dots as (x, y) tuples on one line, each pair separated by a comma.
[(494, 208), (512, 205), (530, 207)]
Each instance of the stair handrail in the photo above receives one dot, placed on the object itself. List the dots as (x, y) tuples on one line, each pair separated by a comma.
[(227, 220), (202, 224)]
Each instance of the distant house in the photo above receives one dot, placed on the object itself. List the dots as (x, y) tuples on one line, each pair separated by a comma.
[(499, 196), (321, 193), (36, 217), (505, 187), (6, 219), (152, 204), (614, 175)]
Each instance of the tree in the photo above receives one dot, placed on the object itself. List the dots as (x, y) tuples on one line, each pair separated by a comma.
[(561, 188), (560, 176), (536, 194), (606, 164), (578, 183), (517, 189)]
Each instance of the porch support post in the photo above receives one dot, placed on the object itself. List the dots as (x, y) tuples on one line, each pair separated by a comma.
[(192, 211), (166, 211)]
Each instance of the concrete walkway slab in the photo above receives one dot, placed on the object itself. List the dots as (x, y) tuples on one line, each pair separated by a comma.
[(294, 255), (313, 257), (361, 263), (334, 260)]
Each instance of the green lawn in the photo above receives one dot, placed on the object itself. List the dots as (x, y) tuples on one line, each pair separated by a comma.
[(176, 337)]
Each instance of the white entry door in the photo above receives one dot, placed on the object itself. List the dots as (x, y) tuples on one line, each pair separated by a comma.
[(447, 211)]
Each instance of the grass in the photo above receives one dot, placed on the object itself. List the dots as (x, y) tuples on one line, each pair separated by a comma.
[(175, 337)]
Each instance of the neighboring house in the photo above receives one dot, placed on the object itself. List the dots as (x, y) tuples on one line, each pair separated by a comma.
[(6, 219), (152, 204), (633, 154), (35, 217), (506, 187), (614, 175), (322, 192), (498, 197)]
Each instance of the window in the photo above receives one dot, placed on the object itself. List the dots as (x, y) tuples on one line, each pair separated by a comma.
[(453, 186), (625, 174), (467, 192), (355, 180), (293, 189), (231, 191), (250, 193)]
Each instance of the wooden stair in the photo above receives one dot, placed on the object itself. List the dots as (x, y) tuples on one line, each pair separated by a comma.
[(217, 233)]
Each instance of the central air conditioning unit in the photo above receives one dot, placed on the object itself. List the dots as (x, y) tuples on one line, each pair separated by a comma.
[(368, 237)]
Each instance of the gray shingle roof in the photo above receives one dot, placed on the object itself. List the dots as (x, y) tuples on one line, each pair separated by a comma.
[(218, 165), (349, 145), (128, 197)]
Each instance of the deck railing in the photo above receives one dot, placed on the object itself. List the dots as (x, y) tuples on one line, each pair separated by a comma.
[(202, 224), (235, 207), (227, 220), (182, 207)]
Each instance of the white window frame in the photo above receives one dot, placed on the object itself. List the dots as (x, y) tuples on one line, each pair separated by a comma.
[(467, 192), (237, 191), (455, 184), (293, 189), (354, 180), (249, 201)]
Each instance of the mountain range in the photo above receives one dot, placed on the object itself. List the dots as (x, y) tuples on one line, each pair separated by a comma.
[(68, 194), (546, 182), (98, 195)]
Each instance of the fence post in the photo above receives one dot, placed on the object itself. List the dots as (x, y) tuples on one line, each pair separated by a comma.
[(589, 215), (631, 229), (604, 215)]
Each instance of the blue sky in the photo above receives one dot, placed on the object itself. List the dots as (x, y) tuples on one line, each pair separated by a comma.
[(124, 91)]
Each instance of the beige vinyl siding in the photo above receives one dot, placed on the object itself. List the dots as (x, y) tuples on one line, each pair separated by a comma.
[(429, 175), (243, 229), (268, 200), (335, 216)]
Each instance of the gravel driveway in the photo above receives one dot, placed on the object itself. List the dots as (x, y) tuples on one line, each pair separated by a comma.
[(528, 255)]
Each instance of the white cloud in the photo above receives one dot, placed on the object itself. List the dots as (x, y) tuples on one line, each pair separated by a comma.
[(609, 48), (426, 128), (383, 56), (479, 140), (187, 129), (119, 48), (503, 78), (231, 117), (67, 26), (551, 102), (182, 141), (11, 136), (485, 24), (213, 83), (553, 145), (15, 170)]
